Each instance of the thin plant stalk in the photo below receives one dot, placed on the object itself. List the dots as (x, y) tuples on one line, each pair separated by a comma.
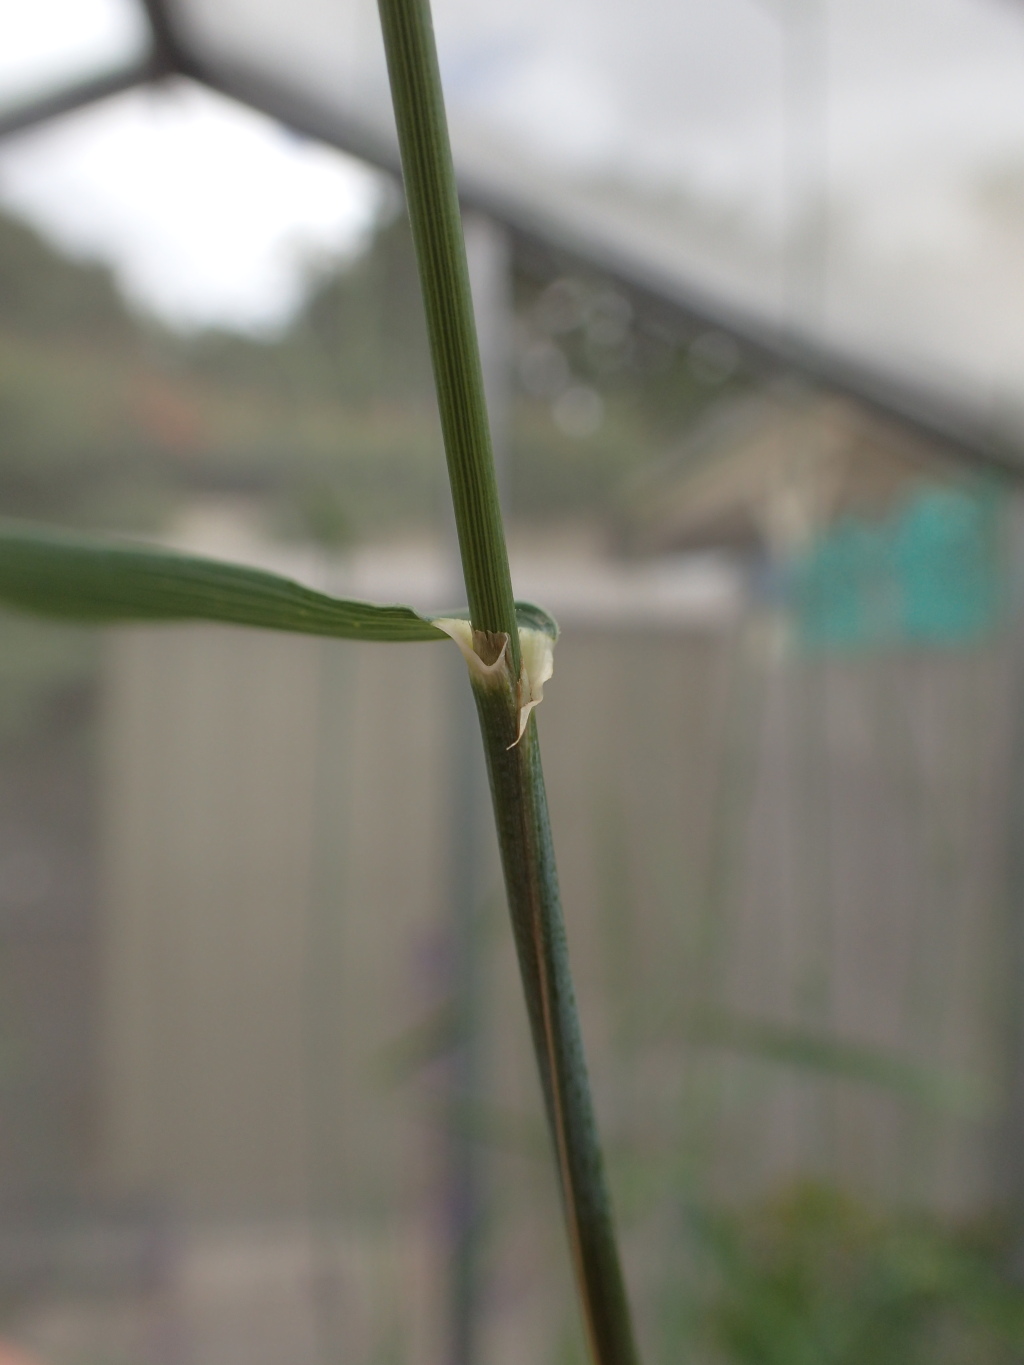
[(517, 783)]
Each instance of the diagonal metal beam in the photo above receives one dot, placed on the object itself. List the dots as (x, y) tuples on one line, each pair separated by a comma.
[(76, 96), (549, 243), (166, 57), (540, 238), (171, 52)]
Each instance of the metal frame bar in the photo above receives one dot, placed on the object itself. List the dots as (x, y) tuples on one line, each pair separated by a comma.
[(539, 238), (26, 116)]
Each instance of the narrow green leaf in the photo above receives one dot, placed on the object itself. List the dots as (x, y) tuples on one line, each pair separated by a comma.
[(88, 578), (85, 579)]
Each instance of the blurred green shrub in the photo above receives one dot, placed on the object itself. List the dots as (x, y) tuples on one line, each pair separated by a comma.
[(816, 1277)]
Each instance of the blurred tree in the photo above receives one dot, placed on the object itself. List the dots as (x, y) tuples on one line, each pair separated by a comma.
[(107, 418), (45, 294)]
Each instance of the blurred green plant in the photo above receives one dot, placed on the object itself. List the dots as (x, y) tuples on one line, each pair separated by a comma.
[(817, 1277)]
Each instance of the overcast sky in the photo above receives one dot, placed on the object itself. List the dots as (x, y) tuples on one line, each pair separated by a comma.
[(207, 211), (660, 123)]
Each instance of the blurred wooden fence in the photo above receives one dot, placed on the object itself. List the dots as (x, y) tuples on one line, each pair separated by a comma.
[(783, 878)]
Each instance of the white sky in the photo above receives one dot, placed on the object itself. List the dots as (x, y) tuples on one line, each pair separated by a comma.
[(207, 211), (658, 124), (47, 41)]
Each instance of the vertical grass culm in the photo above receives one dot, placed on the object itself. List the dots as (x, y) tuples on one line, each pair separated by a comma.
[(498, 680), (56, 573)]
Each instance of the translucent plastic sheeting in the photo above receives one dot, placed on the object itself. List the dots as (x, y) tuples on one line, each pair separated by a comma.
[(49, 44), (853, 168)]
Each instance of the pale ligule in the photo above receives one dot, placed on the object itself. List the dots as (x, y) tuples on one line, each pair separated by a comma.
[(537, 652)]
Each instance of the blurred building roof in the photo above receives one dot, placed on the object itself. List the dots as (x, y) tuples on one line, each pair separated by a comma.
[(772, 470), (839, 186)]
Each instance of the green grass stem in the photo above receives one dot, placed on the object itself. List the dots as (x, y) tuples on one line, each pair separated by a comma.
[(444, 275), (517, 783)]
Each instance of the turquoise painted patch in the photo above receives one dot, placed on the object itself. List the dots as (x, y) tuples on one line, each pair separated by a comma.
[(934, 574)]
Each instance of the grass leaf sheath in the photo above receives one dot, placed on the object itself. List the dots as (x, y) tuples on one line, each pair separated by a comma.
[(517, 782)]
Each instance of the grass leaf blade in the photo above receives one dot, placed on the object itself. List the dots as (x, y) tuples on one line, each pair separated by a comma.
[(82, 578)]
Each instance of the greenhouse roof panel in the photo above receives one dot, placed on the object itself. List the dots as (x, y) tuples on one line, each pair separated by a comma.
[(852, 171), (849, 172), (47, 47)]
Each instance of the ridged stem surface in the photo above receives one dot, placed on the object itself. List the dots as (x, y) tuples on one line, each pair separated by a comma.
[(444, 275), (516, 780)]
